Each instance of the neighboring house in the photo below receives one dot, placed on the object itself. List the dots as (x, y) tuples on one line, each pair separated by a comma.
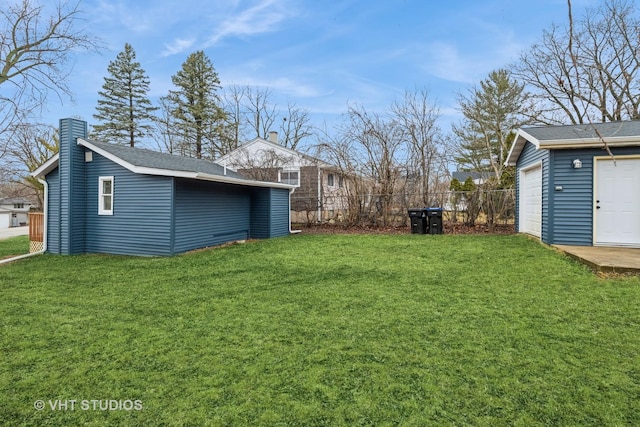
[(14, 212), (106, 198), (478, 178), (320, 187), (570, 190)]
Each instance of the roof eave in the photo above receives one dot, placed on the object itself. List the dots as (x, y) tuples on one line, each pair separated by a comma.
[(519, 141), (623, 141), (46, 167)]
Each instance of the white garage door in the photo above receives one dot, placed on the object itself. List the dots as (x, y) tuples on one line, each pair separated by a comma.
[(5, 219), (617, 202), (531, 200)]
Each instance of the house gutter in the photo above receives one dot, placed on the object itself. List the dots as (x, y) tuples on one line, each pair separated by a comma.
[(44, 227)]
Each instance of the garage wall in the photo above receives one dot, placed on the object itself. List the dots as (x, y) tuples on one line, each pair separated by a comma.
[(528, 157), (571, 221), (209, 214)]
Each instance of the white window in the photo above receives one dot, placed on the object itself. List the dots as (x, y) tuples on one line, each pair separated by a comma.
[(330, 180), (291, 177), (105, 195)]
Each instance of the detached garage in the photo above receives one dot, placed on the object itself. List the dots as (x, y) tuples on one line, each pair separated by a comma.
[(107, 198), (571, 190)]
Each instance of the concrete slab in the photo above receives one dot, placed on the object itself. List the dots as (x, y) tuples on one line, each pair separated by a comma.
[(6, 233), (605, 259)]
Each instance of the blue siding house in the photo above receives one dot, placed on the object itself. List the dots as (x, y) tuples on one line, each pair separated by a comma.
[(106, 198), (579, 184)]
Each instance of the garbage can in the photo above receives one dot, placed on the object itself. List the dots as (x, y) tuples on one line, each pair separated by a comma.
[(434, 220), (418, 218)]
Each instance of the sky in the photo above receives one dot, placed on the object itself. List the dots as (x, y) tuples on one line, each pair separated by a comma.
[(320, 55)]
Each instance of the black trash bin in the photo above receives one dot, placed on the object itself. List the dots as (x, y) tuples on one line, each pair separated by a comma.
[(418, 218), (434, 220)]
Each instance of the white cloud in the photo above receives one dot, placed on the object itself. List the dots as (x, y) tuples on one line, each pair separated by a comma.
[(448, 61), (177, 46), (261, 18)]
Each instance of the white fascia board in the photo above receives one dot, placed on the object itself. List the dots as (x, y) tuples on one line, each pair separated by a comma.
[(239, 181), (519, 141), (620, 141), (46, 167)]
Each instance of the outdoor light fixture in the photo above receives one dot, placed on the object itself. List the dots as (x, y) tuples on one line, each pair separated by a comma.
[(577, 164)]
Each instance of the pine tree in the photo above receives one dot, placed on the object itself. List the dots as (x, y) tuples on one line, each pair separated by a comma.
[(124, 109), (195, 107), (491, 113)]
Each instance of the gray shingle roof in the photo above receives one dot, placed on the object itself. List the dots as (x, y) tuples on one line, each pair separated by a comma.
[(156, 160), (575, 136), (584, 131)]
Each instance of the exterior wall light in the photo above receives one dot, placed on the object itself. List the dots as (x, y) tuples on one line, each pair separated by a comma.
[(577, 164)]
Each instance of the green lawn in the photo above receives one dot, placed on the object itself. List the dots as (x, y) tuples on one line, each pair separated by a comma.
[(14, 246), (322, 330)]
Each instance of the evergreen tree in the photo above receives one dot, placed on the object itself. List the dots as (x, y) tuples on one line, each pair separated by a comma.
[(124, 109), (491, 113), (195, 107)]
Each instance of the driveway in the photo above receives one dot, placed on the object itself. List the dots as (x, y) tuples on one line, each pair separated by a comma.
[(5, 233)]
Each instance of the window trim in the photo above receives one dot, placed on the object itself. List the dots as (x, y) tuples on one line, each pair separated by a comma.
[(101, 195), (280, 172)]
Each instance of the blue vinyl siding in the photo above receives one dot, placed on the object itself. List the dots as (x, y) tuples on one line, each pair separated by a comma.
[(141, 220), (530, 156), (53, 212), (269, 213), (571, 219), (261, 213), (72, 186), (208, 213), (279, 212)]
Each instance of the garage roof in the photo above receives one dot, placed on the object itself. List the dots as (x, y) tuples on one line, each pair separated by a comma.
[(616, 134)]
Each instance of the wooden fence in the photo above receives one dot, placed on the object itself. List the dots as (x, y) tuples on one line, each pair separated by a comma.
[(36, 231)]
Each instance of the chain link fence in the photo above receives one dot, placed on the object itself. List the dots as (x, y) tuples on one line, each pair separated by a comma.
[(480, 206)]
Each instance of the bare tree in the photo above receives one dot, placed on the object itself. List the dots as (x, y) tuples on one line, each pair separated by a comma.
[(233, 98), (296, 125), (251, 113), (380, 140), (341, 152), (589, 71), (261, 113), (32, 145), (417, 117), (35, 48)]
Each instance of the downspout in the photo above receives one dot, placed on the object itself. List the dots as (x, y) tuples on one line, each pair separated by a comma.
[(45, 217), (320, 196), (291, 190)]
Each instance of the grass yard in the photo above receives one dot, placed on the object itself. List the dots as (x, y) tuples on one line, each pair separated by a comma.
[(14, 246), (321, 330)]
